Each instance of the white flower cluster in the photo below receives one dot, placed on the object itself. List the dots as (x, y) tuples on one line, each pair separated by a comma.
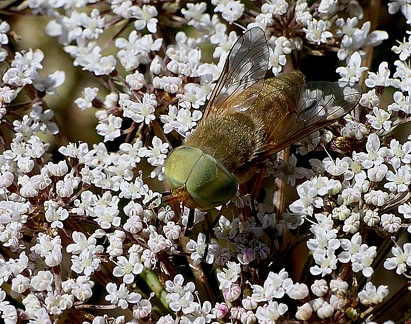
[(85, 220)]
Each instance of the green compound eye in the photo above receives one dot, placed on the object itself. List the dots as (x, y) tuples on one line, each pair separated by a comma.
[(208, 183)]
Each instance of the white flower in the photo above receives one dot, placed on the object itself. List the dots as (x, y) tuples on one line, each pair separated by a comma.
[(81, 242), (309, 192), (402, 74), (401, 260), (55, 214), (354, 39), (302, 13), (380, 119), (86, 262), (328, 7), (297, 291), (156, 154), (325, 310), (373, 155), (48, 248), (398, 181), (110, 128), (390, 223), (403, 49), (371, 218), (338, 286), (229, 275), (128, 268), (106, 216), (136, 49), (136, 80), (81, 287), (121, 296), (351, 195), (171, 230), (395, 5), (198, 249), (142, 309), (43, 280), (194, 96), (304, 312), (371, 295), (4, 29), (270, 312), (362, 260), (401, 102), (353, 71), (56, 302), (325, 236), (376, 197), (278, 56), (51, 82), (325, 260), (185, 303), (317, 32), (176, 286), (274, 287), (230, 10), (354, 129), (140, 111), (186, 120), (382, 78), (194, 12), (405, 210), (341, 212), (89, 94), (319, 287), (145, 18), (158, 243), (168, 84), (276, 7)]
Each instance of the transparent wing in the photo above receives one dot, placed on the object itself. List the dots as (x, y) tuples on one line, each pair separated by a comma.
[(322, 103), (246, 65), (319, 104)]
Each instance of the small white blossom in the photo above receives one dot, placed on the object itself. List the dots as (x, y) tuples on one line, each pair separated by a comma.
[(230, 10), (317, 32), (403, 49), (401, 260), (270, 312), (120, 296), (382, 78), (156, 154), (380, 119), (372, 295), (145, 18), (353, 71), (110, 128), (390, 223)]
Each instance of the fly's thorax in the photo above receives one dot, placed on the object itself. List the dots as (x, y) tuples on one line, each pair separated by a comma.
[(286, 80), (235, 140), (198, 179)]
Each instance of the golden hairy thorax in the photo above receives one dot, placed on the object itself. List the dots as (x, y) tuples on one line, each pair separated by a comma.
[(239, 136), (234, 142)]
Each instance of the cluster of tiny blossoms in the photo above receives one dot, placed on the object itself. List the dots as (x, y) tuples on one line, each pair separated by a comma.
[(92, 227)]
